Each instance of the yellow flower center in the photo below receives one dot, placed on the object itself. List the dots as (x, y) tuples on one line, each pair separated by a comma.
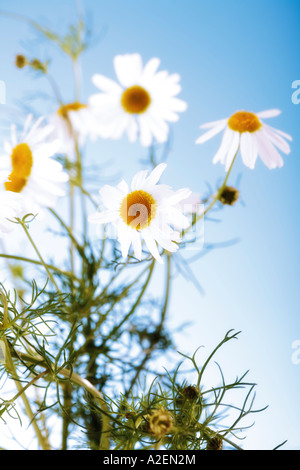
[(135, 100), (138, 209), (64, 110), (21, 161), (243, 121)]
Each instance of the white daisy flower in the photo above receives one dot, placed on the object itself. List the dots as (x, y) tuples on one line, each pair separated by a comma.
[(11, 207), (73, 123), (246, 131), (147, 211), (141, 104), (28, 169)]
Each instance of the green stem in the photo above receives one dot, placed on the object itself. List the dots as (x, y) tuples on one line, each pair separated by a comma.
[(38, 263), (167, 293), (39, 256), (220, 190), (134, 307), (215, 198)]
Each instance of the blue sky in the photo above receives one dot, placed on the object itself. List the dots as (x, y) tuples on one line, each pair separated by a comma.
[(231, 55)]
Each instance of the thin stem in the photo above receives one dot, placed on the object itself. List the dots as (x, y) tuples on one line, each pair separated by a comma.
[(220, 190), (215, 198), (134, 307), (167, 292), (38, 263), (39, 255)]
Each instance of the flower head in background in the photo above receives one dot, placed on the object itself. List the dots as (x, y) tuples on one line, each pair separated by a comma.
[(27, 166), (11, 206), (73, 123), (147, 211), (141, 104), (246, 131)]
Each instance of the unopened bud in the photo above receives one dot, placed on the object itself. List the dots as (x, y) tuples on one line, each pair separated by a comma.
[(20, 61), (160, 422), (229, 195), (216, 443)]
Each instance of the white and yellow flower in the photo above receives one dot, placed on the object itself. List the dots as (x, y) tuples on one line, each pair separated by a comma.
[(141, 104), (146, 212), (73, 123), (27, 166), (246, 131)]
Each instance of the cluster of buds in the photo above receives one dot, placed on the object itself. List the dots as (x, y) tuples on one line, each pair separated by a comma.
[(21, 61)]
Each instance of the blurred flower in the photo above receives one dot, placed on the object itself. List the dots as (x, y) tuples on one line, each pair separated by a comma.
[(27, 167), (247, 131), (11, 206), (141, 103), (73, 123), (146, 212)]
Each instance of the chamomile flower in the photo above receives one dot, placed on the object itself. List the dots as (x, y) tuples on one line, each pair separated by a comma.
[(27, 166), (73, 123), (144, 212), (246, 131), (11, 207), (141, 104)]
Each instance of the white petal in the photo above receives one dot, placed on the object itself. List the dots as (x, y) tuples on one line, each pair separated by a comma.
[(234, 146), (111, 196), (151, 244), (151, 67), (211, 133), (128, 69), (155, 175), (208, 125), (267, 152), (125, 238), (103, 217), (277, 139), (179, 196), (268, 114), (138, 180), (224, 147), (249, 149), (123, 186), (106, 84), (136, 244)]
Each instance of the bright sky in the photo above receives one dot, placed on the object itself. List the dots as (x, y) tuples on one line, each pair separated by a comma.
[(231, 55)]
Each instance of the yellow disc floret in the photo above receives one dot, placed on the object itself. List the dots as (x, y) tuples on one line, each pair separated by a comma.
[(135, 100), (138, 209), (244, 121), (21, 161), (65, 109)]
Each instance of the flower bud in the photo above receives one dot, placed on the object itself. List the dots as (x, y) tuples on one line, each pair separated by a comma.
[(20, 61), (229, 196), (160, 422), (216, 443), (190, 392)]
